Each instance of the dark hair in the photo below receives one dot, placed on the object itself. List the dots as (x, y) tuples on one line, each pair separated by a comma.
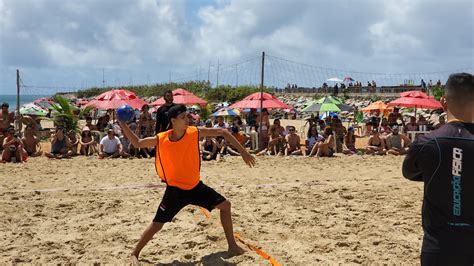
[(235, 129), (88, 118), (168, 91), (460, 89), (176, 110), (309, 131), (5, 104)]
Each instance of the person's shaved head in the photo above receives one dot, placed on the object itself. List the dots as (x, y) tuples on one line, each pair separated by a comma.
[(460, 90)]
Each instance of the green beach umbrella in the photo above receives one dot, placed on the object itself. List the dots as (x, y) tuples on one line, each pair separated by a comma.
[(338, 102), (32, 110), (321, 107)]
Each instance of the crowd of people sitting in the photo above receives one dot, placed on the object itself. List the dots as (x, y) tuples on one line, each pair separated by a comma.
[(322, 137)]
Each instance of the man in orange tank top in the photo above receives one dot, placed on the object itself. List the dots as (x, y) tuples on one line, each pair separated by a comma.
[(174, 148)]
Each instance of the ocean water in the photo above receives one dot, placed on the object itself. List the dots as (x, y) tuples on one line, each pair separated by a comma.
[(11, 99)]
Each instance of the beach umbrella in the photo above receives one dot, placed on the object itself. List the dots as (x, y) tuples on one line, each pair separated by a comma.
[(44, 102), (338, 102), (113, 99), (253, 101), (414, 94), (348, 79), (32, 109), (334, 79), (182, 96), (227, 112), (322, 107), (376, 106)]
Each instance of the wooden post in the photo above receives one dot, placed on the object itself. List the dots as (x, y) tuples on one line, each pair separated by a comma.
[(17, 115)]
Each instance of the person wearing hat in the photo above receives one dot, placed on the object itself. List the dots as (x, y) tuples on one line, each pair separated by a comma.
[(88, 144), (394, 142), (178, 163), (60, 145)]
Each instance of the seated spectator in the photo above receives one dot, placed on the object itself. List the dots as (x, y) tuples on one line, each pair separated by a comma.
[(12, 147), (89, 123), (312, 138), (394, 142), (74, 140), (326, 148), (31, 143), (110, 146), (88, 144), (349, 147), (384, 128), (340, 131), (102, 123), (394, 116), (60, 145), (209, 149), (240, 137), (422, 121), (375, 144), (441, 122), (277, 144), (293, 142), (411, 126), (220, 123)]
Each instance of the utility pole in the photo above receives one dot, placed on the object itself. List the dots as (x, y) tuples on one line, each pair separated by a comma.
[(208, 72), (236, 76), (261, 97), (217, 81)]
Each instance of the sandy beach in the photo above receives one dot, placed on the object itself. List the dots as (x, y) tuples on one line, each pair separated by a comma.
[(348, 209)]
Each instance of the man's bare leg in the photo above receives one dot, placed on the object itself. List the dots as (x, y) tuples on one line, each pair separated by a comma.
[(147, 235), (226, 220)]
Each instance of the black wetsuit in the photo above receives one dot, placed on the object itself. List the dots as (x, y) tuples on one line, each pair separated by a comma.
[(444, 160)]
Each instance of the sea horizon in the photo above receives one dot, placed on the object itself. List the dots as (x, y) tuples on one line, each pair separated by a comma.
[(24, 99)]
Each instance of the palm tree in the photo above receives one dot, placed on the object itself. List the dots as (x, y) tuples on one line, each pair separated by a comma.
[(66, 114)]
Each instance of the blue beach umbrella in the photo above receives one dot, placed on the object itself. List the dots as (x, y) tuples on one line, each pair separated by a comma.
[(227, 112)]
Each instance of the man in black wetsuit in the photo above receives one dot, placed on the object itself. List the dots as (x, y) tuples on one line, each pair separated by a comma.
[(444, 161), (162, 120)]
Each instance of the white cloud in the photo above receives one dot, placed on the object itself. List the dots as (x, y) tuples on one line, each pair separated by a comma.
[(151, 38)]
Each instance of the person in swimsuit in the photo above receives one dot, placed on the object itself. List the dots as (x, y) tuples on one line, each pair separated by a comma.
[(375, 144), (6, 120), (293, 146), (178, 165), (312, 138), (31, 143), (394, 142), (59, 145), (443, 160), (349, 147), (325, 148), (88, 144), (12, 147)]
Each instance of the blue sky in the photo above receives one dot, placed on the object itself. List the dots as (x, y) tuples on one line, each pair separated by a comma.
[(65, 45)]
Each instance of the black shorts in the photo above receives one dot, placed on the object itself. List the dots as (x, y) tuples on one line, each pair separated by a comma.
[(175, 199)]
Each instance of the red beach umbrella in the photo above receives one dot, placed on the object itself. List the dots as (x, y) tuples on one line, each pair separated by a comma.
[(415, 102), (182, 96), (253, 101), (113, 99), (414, 94)]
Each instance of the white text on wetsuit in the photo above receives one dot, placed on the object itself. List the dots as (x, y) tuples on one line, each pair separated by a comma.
[(456, 182)]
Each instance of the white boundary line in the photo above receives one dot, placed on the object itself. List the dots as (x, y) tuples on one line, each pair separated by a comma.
[(143, 186)]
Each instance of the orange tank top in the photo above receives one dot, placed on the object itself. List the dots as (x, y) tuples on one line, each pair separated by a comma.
[(178, 162)]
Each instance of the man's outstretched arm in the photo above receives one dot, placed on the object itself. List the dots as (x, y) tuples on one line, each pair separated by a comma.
[(149, 142)]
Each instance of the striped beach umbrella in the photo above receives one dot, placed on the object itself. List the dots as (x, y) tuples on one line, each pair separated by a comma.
[(227, 112)]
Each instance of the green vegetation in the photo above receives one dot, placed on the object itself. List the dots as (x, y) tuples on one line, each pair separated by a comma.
[(202, 89), (67, 115), (438, 92)]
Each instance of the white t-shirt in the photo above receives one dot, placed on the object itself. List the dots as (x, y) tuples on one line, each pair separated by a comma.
[(110, 145)]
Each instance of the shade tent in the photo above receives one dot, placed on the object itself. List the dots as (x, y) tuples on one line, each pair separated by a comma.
[(253, 101), (113, 99), (182, 96)]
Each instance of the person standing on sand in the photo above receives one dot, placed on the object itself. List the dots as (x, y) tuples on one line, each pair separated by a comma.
[(178, 164), (162, 120), (443, 161)]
